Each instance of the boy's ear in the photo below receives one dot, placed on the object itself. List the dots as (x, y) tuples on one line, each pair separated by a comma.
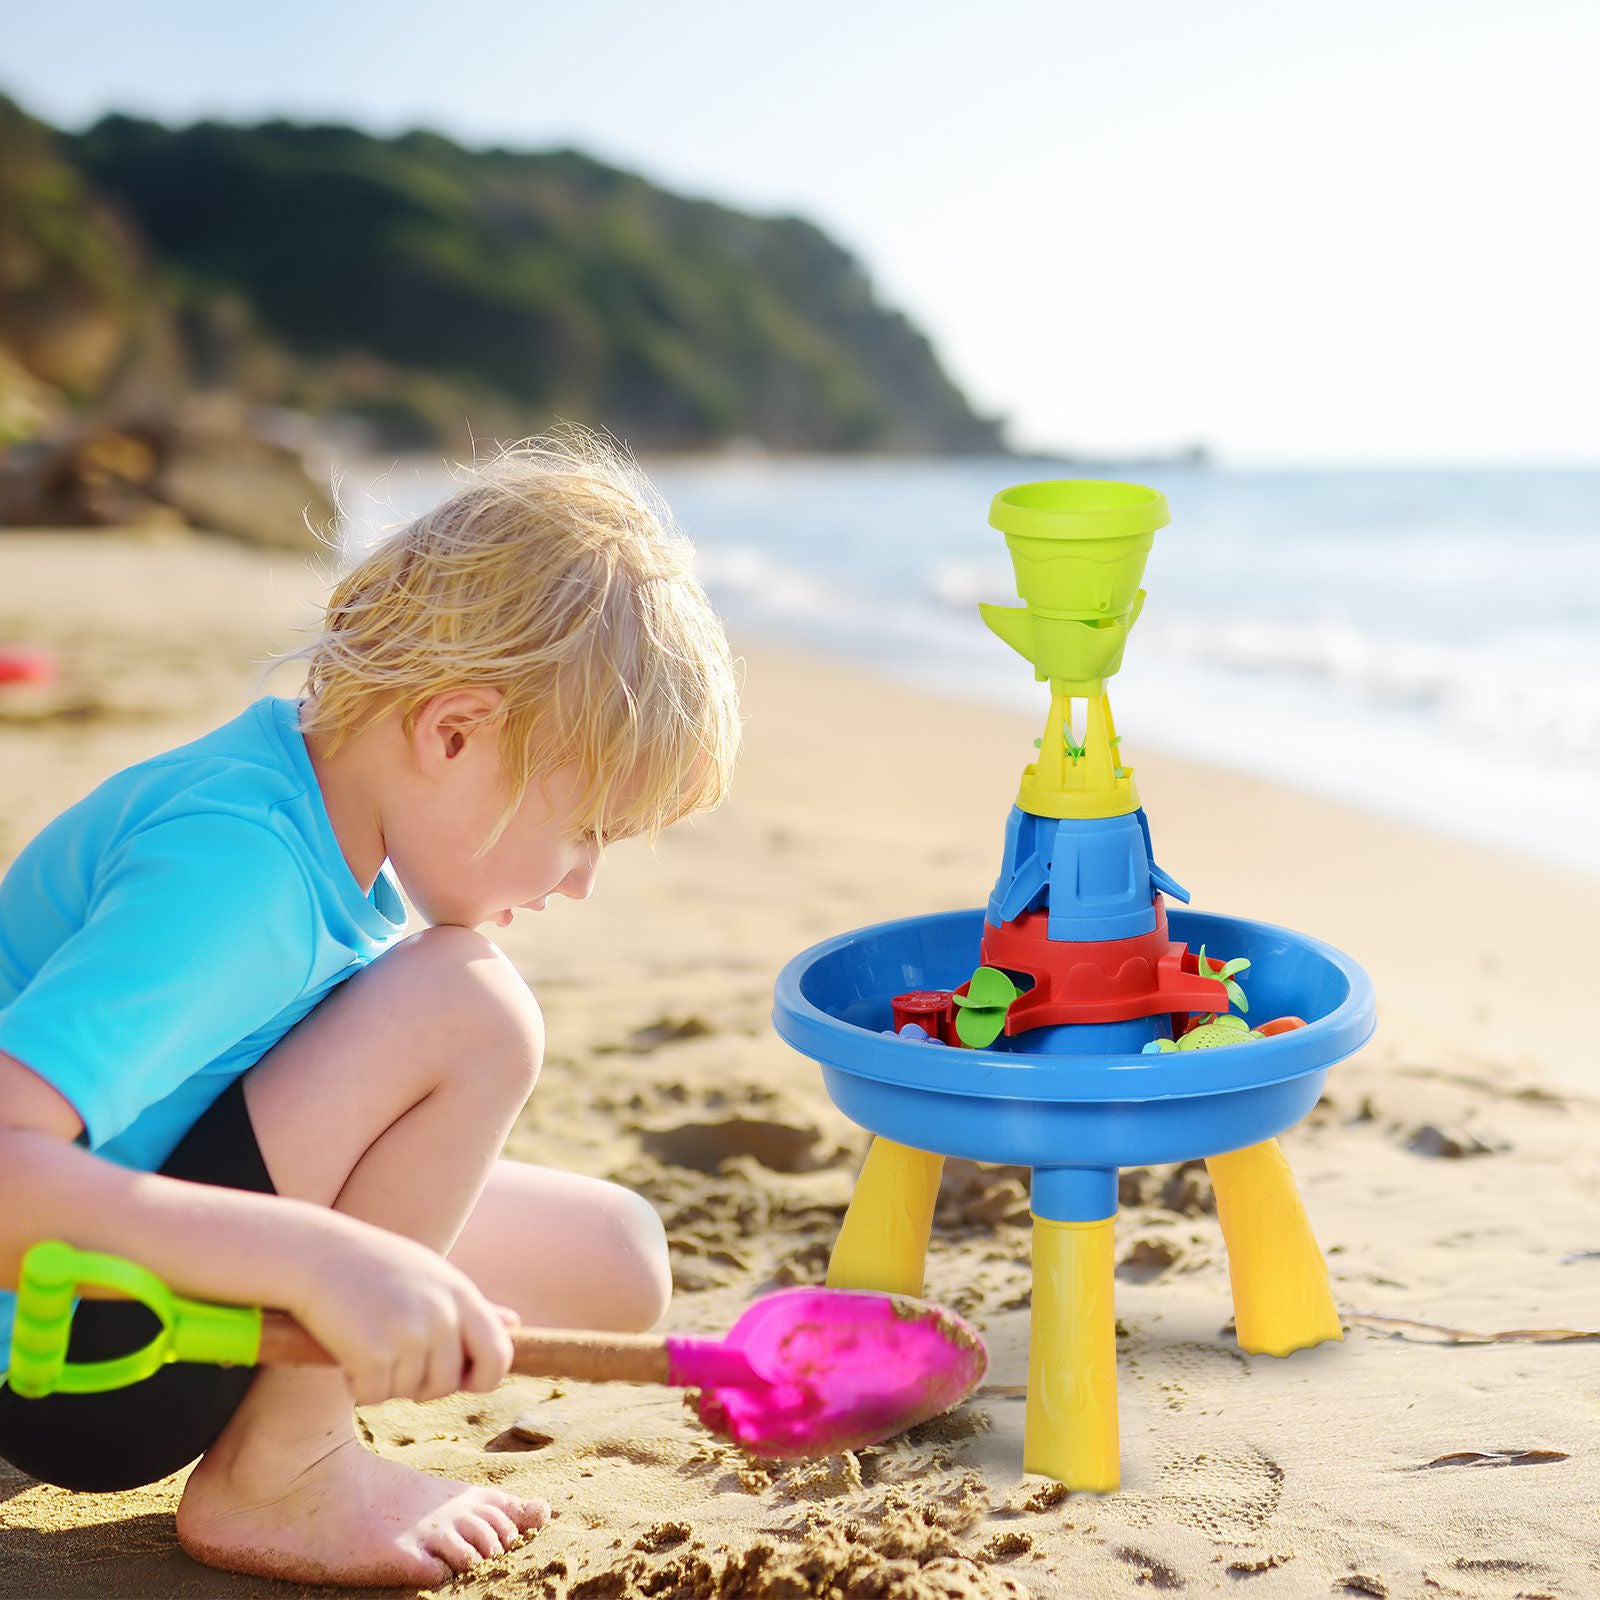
[(445, 723)]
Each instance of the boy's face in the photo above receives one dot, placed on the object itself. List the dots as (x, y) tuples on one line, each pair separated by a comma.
[(433, 844)]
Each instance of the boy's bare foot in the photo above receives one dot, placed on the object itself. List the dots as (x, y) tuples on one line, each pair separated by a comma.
[(346, 1516)]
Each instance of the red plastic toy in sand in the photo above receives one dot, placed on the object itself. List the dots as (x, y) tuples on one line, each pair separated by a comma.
[(26, 664)]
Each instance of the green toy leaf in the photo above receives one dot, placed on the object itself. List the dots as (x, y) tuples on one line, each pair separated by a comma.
[(977, 1030), (989, 987), (1224, 971), (981, 1011)]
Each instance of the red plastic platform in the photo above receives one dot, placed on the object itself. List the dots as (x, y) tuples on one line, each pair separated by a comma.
[(1112, 980)]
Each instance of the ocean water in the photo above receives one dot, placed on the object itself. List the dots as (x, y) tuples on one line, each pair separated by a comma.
[(1421, 643)]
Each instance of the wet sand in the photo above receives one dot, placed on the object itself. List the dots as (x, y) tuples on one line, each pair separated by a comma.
[(1450, 1171)]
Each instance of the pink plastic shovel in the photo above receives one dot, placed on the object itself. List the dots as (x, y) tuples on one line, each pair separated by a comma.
[(835, 1369), (803, 1372)]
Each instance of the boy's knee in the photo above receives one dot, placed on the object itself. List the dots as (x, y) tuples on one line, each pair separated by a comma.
[(495, 1021), (639, 1269)]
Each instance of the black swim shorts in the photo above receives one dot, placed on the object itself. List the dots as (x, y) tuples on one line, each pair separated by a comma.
[(133, 1436)]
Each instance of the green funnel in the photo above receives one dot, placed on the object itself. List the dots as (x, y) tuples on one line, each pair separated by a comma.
[(1078, 548)]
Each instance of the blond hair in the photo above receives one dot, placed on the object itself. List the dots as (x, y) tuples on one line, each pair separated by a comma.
[(553, 575)]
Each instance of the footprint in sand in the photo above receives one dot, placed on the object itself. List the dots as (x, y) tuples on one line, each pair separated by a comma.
[(1176, 1369), (705, 1146), (1451, 1146), (664, 1030), (1230, 1497), (1147, 1260)]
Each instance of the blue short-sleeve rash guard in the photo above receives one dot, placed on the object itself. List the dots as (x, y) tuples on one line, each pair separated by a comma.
[(158, 938)]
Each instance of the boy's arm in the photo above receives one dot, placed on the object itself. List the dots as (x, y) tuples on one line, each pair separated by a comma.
[(50, 1188), (399, 1318)]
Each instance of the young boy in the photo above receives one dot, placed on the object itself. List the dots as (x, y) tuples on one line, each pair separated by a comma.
[(220, 1058)]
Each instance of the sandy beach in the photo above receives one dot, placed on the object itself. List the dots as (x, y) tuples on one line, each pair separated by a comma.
[(1450, 1171)]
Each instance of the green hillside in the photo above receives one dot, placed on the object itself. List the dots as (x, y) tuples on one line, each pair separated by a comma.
[(69, 295), (419, 285)]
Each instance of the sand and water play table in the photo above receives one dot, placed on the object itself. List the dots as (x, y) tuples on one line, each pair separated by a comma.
[(1079, 1026), (1075, 1119)]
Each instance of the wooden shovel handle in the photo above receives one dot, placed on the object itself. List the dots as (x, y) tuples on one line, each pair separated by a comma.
[(538, 1352)]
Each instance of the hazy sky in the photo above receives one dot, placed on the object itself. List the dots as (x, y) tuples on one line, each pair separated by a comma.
[(1299, 232)]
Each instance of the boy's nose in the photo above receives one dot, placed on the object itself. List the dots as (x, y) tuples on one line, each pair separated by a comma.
[(579, 883)]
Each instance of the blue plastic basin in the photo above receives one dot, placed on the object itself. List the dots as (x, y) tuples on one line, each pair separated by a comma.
[(1068, 1111)]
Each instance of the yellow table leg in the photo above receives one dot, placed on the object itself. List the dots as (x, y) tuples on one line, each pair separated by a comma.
[(1281, 1297), (884, 1241), (1071, 1431)]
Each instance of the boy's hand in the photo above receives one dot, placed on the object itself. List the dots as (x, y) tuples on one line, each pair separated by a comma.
[(401, 1321)]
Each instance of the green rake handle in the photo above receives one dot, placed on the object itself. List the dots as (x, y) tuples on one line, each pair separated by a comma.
[(52, 1276)]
